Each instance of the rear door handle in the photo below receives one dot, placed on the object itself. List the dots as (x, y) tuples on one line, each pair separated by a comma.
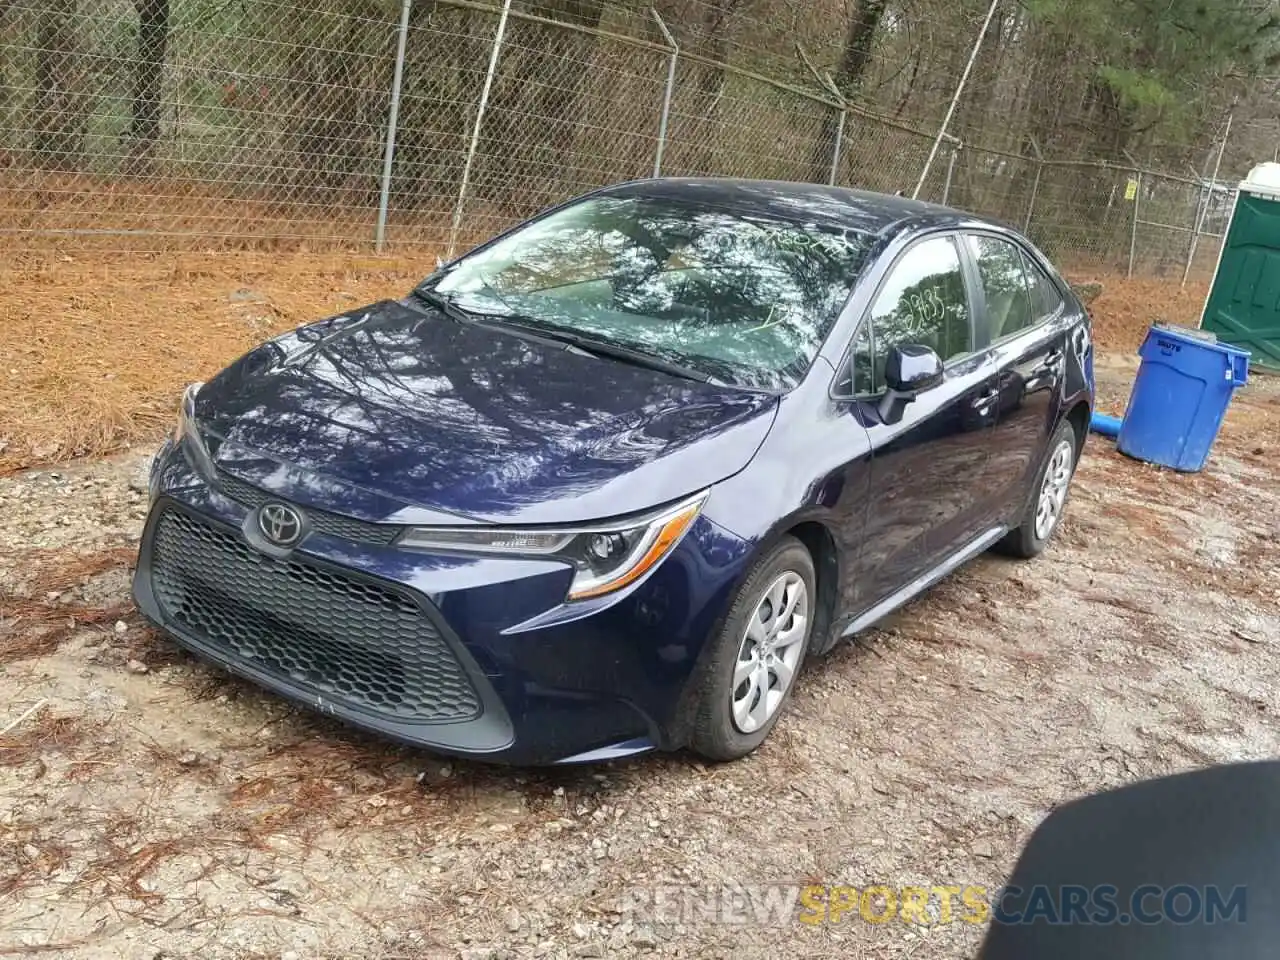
[(1053, 362)]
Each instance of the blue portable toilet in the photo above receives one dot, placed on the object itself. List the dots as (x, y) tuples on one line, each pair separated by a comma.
[(1180, 397)]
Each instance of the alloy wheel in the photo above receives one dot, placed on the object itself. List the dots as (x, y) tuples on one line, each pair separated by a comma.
[(1053, 490), (769, 654)]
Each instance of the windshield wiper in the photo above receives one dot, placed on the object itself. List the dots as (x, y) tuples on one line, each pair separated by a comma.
[(534, 330), (607, 348), (444, 305), (641, 358)]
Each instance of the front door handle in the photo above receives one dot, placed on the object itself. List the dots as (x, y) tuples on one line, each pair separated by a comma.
[(983, 404)]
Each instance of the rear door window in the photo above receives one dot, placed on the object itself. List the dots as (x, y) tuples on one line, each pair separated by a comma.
[(1004, 285)]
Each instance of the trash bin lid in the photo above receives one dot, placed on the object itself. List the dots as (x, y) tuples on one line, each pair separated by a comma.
[(1200, 339), (1205, 336)]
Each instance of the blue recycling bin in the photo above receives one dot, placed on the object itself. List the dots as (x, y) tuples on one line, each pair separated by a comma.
[(1180, 397)]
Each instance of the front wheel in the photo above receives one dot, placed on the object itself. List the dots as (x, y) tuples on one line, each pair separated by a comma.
[(757, 654), (1048, 500)]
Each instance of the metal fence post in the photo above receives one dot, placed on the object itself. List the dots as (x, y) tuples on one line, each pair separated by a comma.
[(955, 100), (1133, 237), (667, 94), (839, 145), (475, 131), (1203, 209), (951, 171), (1035, 187), (1035, 192), (388, 156), (826, 81)]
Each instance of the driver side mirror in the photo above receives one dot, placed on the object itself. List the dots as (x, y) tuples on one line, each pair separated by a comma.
[(909, 370)]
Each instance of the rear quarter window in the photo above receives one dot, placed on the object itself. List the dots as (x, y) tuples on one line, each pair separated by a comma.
[(1045, 298)]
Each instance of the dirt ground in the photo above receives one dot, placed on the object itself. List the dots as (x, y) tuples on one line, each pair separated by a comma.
[(151, 807)]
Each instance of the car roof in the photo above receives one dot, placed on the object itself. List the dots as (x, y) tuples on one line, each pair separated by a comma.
[(875, 213)]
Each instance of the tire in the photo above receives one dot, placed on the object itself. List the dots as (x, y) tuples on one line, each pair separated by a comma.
[(733, 719), (1031, 536)]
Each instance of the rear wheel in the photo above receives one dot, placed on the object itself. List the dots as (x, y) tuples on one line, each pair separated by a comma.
[(1048, 500), (757, 654)]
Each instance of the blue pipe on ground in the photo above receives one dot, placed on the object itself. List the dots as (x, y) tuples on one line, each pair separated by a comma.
[(1106, 425)]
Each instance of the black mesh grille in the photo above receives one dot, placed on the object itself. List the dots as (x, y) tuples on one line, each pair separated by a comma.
[(352, 640), (330, 524)]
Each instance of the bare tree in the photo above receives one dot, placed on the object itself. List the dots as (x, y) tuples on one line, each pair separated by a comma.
[(436, 110), (153, 43), (59, 115), (713, 44), (859, 42)]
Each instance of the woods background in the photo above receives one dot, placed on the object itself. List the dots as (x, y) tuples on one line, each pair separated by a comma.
[(258, 124)]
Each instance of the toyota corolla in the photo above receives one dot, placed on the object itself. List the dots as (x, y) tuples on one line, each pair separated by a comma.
[(609, 482)]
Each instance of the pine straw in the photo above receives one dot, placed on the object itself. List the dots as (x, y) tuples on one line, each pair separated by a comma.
[(112, 214), (40, 630), (96, 350), (34, 626), (1127, 308), (63, 574), (41, 734)]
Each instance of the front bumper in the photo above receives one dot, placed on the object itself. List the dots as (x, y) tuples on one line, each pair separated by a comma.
[(475, 656)]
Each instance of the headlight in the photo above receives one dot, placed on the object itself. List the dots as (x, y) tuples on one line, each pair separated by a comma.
[(186, 433), (606, 557), (186, 424)]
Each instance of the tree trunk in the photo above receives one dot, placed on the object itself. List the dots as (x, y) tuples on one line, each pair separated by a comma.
[(858, 46), (572, 59), (58, 121), (153, 44), (333, 83), (714, 44)]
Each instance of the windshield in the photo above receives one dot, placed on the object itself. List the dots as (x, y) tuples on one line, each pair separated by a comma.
[(743, 299)]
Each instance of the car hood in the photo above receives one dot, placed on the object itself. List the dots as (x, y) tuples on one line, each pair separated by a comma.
[(397, 413)]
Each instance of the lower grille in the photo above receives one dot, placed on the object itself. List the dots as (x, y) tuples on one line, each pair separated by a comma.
[(355, 641)]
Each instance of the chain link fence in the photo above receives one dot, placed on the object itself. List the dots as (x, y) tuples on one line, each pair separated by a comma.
[(1094, 215), (428, 125)]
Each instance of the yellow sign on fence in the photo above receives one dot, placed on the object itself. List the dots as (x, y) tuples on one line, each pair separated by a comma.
[(1131, 189)]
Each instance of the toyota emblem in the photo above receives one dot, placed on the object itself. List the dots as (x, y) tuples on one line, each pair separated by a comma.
[(280, 524)]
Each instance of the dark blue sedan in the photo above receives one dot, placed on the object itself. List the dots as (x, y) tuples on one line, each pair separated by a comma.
[(608, 482)]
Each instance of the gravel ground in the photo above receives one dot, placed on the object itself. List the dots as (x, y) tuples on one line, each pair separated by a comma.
[(154, 808)]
